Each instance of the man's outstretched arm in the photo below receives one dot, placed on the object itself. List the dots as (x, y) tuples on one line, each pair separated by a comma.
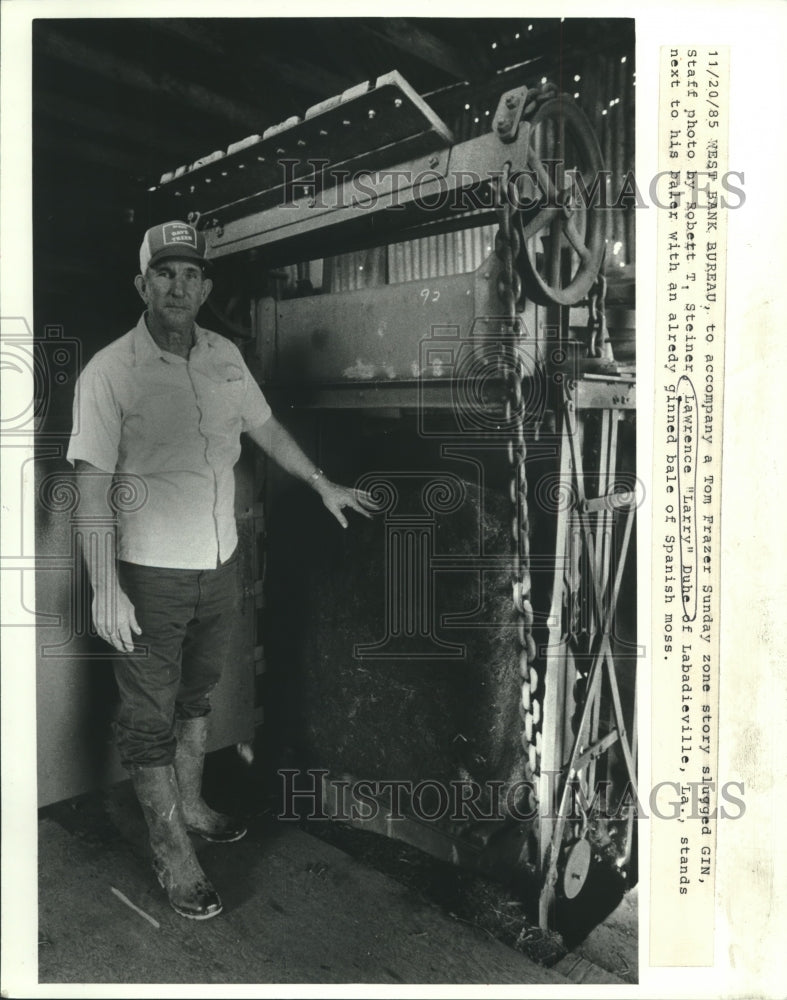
[(283, 449)]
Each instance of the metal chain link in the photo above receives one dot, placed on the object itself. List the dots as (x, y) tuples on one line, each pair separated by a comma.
[(507, 246), (598, 342)]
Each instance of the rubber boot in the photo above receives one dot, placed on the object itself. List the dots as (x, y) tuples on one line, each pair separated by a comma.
[(192, 738), (174, 861)]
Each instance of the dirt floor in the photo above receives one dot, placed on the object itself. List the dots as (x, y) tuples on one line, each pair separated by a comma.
[(341, 907)]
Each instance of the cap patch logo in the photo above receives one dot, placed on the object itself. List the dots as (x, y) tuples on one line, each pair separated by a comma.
[(171, 239), (174, 233)]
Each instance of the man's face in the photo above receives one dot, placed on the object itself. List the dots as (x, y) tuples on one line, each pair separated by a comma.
[(173, 291)]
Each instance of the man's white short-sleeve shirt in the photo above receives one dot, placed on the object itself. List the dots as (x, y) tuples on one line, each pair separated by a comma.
[(176, 424)]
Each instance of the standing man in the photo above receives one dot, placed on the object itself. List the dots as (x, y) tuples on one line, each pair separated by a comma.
[(166, 403)]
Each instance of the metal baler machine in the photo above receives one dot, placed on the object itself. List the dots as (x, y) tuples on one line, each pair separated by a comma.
[(479, 633)]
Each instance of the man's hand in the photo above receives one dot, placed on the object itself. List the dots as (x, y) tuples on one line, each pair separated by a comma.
[(336, 498), (114, 618), (282, 447)]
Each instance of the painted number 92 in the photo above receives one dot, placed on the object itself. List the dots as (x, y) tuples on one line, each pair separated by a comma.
[(429, 295)]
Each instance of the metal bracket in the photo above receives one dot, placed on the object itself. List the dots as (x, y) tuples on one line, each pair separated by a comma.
[(509, 113), (610, 501)]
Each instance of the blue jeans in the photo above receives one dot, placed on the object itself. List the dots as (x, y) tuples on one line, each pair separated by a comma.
[(187, 618)]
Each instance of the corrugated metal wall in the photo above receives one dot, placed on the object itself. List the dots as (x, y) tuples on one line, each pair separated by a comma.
[(447, 253), (604, 88), (413, 260)]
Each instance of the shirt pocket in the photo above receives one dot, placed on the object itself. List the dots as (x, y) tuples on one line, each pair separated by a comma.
[(223, 397)]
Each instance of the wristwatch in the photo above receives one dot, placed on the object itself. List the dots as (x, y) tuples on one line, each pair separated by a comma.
[(317, 474)]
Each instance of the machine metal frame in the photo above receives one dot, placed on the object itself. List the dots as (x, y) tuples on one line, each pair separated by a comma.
[(548, 257)]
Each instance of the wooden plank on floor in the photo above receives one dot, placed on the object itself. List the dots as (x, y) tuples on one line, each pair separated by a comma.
[(614, 944), (580, 970)]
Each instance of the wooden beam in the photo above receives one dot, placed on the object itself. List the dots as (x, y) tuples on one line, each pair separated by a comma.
[(418, 42), (309, 78), (90, 60), (305, 76), (88, 118), (192, 32), (137, 166)]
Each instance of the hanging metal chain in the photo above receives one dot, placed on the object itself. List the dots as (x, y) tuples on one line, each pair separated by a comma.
[(599, 345), (507, 247)]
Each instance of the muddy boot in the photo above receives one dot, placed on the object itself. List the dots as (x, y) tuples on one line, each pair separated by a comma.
[(174, 861), (192, 737)]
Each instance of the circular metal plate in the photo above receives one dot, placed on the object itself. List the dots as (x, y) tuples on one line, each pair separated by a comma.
[(577, 868)]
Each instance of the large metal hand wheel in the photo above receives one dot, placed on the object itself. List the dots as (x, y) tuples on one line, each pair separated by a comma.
[(563, 237)]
